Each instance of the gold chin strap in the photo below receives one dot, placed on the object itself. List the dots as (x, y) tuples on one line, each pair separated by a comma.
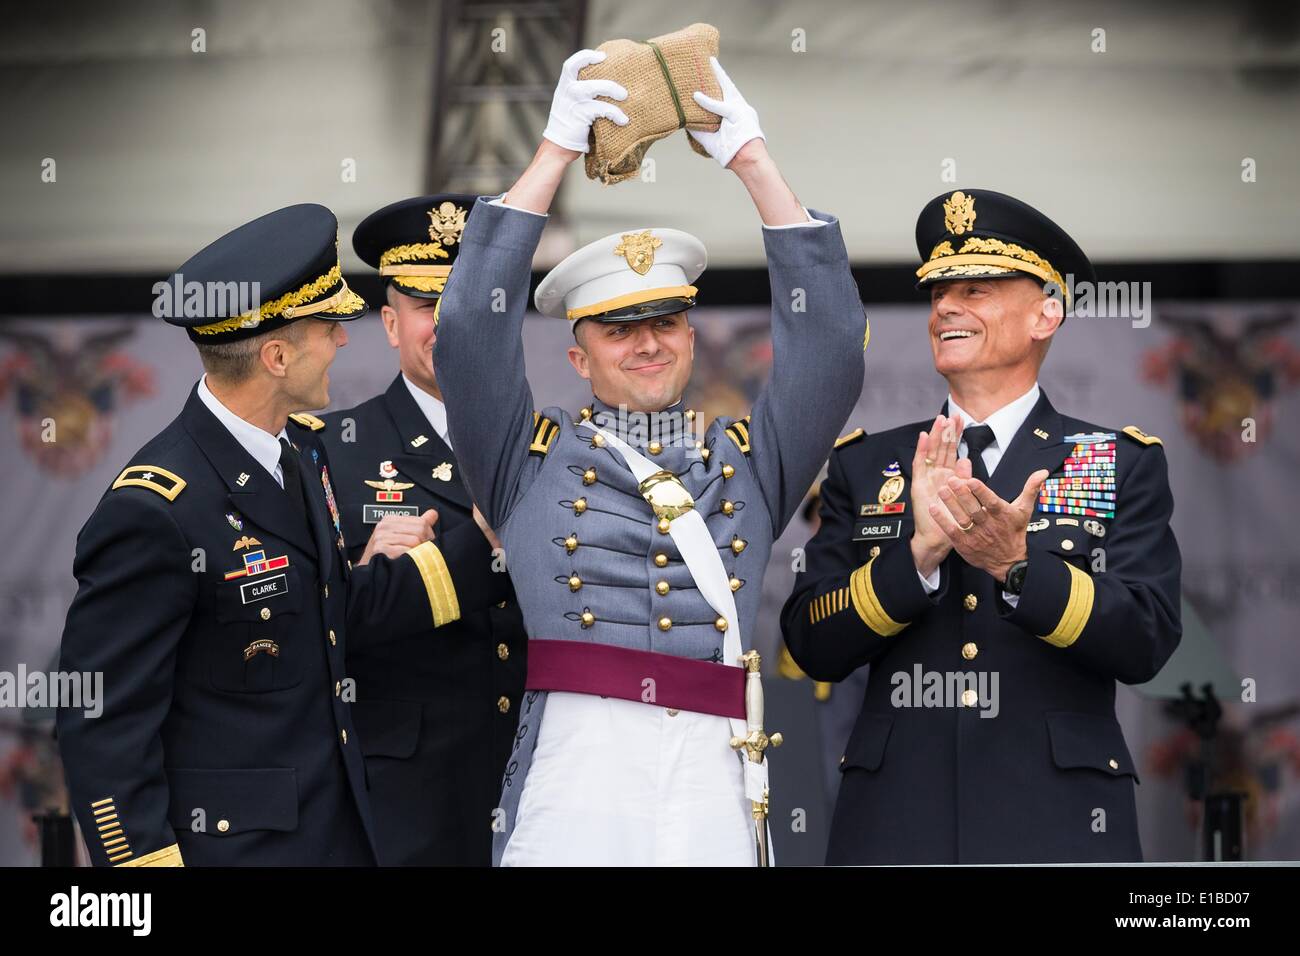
[(324, 305), (440, 272)]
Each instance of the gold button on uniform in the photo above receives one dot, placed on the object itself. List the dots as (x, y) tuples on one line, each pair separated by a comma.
[(503, 604), (571, 543), (665, 623), (738, 545), (344, 735), (575, 583), (661, 560), (661, 588), (589, 476), (580, 506), (737, 584), (970, 602), (1067, 545), (720, 624), (704, 453), (338, 688), (503, 652), (875, 551), (728, 508), (223, 825), (1114, 764), (333, 640), (588, 619), (690, 414), (503, 704), (969, 650), (655, 448), (969, 698), (727, 471), (266, 614), (663, 525), (327, 592)]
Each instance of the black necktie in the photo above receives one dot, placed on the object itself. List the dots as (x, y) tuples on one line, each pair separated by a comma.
[(977, 438), (290, 466)]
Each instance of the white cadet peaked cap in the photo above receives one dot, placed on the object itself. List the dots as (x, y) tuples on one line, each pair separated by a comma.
[(626, 276)]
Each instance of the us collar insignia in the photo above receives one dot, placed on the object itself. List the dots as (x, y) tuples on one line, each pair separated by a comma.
[(892, 489), (255, 562), (959, 213), (446, 223), (243, 478), (418, 441), (1042, 434), (245, 542), (443, 471), (638, 249), (234, 521)]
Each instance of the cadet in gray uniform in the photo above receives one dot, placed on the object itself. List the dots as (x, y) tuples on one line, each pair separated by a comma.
[(636, 542)]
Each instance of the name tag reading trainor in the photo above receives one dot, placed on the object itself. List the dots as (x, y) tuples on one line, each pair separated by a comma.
[(373, 514)]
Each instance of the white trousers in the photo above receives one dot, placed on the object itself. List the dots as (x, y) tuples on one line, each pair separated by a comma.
[(620, 783)]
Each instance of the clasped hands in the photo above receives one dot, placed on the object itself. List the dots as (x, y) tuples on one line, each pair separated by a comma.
[(953, 510)]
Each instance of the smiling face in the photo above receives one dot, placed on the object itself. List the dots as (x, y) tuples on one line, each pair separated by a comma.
[(308, 357), (408, 321), (991, 328), (642, 364)]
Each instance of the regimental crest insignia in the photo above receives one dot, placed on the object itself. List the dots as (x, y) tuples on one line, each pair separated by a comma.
[(638, 248), (892, 489), (446, 223), (386, 470), (443, 471), (959, 213)]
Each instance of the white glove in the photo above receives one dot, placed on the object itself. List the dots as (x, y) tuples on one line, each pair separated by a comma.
[(739, 119), (575, 107)]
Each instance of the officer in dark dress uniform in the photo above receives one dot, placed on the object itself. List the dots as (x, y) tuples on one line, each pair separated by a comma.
[(436, 715), (215, 594), (998, 596)]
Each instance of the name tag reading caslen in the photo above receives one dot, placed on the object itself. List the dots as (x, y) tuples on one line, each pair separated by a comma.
[(877, 529), (373, 514), (263, 589)]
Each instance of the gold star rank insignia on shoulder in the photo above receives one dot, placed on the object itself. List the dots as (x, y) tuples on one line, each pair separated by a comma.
[(156, 479)]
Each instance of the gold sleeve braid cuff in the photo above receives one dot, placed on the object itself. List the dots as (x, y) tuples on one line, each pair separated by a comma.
[(437, 582), (167, 856), (868, 605), (824, 605), (1077, 610)]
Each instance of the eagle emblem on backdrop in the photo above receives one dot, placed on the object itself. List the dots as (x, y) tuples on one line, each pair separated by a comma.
[(1226, 366), (64, 389)]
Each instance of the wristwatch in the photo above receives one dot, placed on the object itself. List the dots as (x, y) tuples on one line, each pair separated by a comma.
[(1015, 577)]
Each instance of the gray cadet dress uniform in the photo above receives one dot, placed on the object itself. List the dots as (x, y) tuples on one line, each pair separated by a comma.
[(584, 549)]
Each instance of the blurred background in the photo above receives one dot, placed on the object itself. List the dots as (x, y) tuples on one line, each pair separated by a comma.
[(1163, 137)]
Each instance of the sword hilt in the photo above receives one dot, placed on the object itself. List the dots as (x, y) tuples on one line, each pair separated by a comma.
[(756, 739)]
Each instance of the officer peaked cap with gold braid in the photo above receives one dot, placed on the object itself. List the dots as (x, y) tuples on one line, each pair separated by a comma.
[(279, 268), (414, 243), (978, 233)]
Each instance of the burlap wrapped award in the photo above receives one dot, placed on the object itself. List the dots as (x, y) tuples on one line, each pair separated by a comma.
[(659, 75)]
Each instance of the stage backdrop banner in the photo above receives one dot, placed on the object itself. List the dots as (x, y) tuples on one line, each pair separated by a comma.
[(1218, 383)]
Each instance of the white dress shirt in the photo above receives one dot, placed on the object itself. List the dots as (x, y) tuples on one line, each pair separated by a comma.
[(1005, 422), (434, 410), (262, 445)]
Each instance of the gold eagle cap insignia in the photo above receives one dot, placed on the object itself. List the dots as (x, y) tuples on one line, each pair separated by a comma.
[(638, 248), (959, 213), (446, 223)]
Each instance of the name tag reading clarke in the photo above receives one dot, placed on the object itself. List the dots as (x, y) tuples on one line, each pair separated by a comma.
[(877, 529), (373, 514), (262, 590)]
